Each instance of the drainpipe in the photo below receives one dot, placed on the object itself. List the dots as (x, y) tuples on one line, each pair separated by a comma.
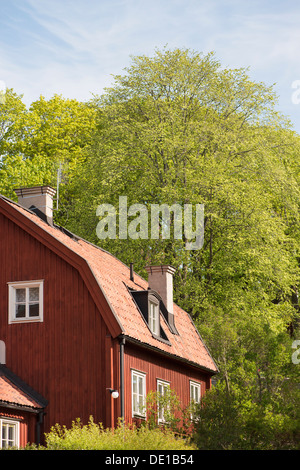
[(39, 422), (122, 344)]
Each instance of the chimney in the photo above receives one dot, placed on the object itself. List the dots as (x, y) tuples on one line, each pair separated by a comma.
[(160, 279), (38, 199)]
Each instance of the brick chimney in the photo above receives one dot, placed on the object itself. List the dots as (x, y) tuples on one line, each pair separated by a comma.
[(160, 279), (38, 199)]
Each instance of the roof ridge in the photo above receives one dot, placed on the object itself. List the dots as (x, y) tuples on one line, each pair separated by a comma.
[(109, 276), (68, 233)]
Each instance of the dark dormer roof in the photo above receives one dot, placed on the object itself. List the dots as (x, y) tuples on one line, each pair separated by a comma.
[(142, 299)]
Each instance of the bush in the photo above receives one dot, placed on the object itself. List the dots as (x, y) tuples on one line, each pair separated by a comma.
[(234, 421), (124, 437), (177, 418)]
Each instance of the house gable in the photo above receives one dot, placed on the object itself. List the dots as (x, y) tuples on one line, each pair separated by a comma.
[(112, 288), (41, 231)]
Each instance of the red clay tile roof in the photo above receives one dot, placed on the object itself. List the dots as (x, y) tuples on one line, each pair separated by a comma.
[(114, 278), (15, 392)]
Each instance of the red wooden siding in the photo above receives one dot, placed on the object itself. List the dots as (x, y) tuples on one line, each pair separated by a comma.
[(27, 424), (63, 358), (157, 367), (73, 356)]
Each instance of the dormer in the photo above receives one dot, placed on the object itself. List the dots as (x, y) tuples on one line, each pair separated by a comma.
[(160, 280), (157, 302), (151, 308)]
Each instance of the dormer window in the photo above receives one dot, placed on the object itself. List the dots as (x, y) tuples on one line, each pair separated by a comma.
[(153, 317), (153, 311)]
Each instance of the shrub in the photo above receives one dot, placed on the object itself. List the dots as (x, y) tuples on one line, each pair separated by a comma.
[(235, 421), (177, 417), (124, 437)]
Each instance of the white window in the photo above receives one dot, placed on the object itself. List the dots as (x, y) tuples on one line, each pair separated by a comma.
[(9, 433), (154, 317), (195, 392), (2, 352), (138, 391), (162, 389), (25, 301), (195, 395)]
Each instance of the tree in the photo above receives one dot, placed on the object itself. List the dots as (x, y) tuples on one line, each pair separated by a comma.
[(178, 128), (12, 112), (237, 422), (45, 143)]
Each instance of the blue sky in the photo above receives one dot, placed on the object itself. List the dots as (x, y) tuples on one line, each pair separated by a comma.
[(73, 47)]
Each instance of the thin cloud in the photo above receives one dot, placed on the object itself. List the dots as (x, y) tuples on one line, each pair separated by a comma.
[(73, 47)]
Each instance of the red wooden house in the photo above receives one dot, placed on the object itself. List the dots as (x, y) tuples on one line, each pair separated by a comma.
[(76, 324)]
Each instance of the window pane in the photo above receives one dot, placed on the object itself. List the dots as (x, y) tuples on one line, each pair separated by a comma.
[(134, 384), (20, 311), (138, 394), (20, 295), (8, 435), (4, 432), (33, 294), (11, 433), (34, 310), (135, 405), (153, 318), (195, 393), (140, 386)]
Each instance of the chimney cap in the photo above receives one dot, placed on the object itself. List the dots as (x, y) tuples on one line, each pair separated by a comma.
[(26, 191), (164, 268), (38, 199)]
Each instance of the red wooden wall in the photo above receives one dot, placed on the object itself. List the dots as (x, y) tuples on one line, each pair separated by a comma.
[(177, 373), (70, 357), (27, 422), (64, 357)]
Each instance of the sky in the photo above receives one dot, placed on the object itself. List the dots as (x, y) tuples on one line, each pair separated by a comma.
[(74, 47)]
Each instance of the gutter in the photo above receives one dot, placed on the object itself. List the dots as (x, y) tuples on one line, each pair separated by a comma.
[(171, 355)]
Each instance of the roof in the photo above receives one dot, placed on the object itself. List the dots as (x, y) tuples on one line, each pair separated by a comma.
[(113, 282), (16, 393)]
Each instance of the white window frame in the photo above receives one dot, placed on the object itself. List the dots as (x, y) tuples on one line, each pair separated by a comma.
[(195, 386), (138, 401), (153, 317), (15, 442), (12, 287), (162, 385)]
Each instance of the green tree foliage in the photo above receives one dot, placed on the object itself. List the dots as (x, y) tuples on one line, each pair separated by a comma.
[(166, 411), (43, 143), (179, 128), (234, 421), (12, 112)]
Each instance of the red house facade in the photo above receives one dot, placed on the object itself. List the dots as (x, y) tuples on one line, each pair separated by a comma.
[(77, 324)]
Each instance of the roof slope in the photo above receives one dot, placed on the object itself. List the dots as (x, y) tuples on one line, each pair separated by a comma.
[(113, 277), (15, 392)]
